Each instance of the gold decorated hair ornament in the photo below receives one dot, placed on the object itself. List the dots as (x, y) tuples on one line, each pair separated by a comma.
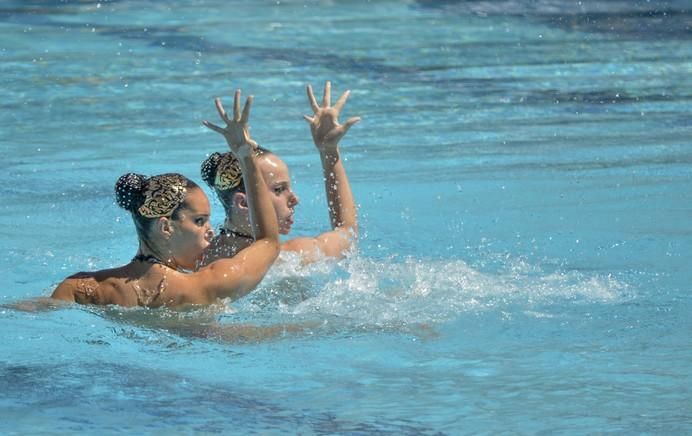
[(228, 173), (163, 195)]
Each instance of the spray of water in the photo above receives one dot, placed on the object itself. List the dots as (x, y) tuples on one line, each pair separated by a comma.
[(385, 292), (361, 295)]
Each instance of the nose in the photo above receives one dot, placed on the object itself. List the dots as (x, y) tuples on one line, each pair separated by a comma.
[(293, 200), (209, 234)]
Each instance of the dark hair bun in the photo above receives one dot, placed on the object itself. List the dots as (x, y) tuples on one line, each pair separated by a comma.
[(209, 167), (129, 191)]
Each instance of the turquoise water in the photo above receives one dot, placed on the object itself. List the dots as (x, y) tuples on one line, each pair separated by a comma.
[(523, 173)]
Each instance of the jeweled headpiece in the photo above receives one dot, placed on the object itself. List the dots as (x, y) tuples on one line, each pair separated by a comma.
[(228, 173), (163, 194)]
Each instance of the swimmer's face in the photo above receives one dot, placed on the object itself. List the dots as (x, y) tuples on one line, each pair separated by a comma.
[(275, 173), (191, 229)]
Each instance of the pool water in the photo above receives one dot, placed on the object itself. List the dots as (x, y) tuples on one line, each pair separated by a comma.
[(523, 175)]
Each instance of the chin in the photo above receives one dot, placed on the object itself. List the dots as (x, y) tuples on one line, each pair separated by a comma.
[(192, 262), (189, 265), (285, 231)]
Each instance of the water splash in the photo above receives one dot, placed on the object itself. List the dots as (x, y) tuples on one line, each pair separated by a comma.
[(364, 291), (366, 295)]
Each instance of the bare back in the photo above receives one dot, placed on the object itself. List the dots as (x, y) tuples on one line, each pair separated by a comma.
[(129, 285)]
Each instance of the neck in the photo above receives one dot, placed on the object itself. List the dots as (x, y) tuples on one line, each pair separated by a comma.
[(236, 234), (236, 229), (147, 254)]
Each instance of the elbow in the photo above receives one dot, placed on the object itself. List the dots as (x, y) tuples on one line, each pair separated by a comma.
[(276, 248), (350, 224), (353, 229), (350, 230), (273, 247)]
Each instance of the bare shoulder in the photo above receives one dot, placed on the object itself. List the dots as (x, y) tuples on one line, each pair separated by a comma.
[(98, 287), (80, 288)]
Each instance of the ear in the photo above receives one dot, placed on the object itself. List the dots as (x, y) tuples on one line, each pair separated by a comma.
[(164, 227), (240, 201)]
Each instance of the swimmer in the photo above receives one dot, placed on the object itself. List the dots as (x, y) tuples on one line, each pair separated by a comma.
[(223, 173), (171, 216)]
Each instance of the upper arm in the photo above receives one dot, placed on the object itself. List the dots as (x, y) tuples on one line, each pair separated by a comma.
[(333, 244), (65, 290), (235, 277), (82, 288)]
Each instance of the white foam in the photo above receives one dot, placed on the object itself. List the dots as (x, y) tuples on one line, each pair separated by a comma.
[(382, 292)]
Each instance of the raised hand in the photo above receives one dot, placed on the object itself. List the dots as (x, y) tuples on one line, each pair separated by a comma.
[(237, 131), (324, 124)]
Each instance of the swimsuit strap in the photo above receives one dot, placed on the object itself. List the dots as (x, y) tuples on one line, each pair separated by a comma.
[(148, 258), (229, 232)]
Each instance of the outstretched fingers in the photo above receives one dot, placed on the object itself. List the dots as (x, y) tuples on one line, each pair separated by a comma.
[(342, 100), (246, 110), (311, 99), (350, 122), (213, 127), (221, 110), (327, 98), (236, 105)]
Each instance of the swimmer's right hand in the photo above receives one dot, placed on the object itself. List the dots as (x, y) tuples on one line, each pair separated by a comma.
[(324, 123), (237, 130)]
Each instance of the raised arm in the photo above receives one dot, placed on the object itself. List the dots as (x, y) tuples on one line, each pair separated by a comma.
[(326, 134), (239, 275)]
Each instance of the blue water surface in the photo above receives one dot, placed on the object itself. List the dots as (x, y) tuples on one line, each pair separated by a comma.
[(522, 170)]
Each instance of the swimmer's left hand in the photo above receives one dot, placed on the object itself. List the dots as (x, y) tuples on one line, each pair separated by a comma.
[(237, 130)]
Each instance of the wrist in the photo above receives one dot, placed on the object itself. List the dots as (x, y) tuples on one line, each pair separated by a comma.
[(329, 156), (236, 142), (247, 159), (244, 149), (328, 148), (246, 156)]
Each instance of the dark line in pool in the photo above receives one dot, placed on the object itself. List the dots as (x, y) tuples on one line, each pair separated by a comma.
[(175, 38), (170, 37), (169, 398), (644, 20)]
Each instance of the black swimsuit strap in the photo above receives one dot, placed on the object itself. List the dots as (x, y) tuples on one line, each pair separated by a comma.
[(229, 232), (148, 258)]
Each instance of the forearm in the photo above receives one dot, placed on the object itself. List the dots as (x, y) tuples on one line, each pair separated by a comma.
[(342, 208), (237, 276), (240, 274), (262, 214)]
